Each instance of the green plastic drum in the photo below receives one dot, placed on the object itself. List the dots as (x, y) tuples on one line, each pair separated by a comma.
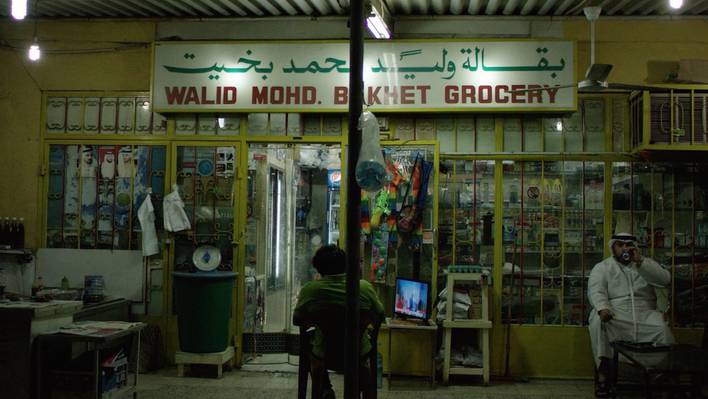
[(203, 303)]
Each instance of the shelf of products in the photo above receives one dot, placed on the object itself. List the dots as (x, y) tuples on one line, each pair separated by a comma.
[(552, 237)]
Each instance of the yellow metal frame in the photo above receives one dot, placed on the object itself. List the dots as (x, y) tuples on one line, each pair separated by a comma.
[(646, 122)]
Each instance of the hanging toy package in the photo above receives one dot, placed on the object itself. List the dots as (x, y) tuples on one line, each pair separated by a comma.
[(370, 168)]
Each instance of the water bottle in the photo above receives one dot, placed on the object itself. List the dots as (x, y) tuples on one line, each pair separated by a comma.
[(379, 370)]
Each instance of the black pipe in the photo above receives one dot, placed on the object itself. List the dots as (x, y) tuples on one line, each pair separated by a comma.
[(356, 89)]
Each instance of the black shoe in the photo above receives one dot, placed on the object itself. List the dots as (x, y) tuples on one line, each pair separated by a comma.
[(328, 393), (602, 390)]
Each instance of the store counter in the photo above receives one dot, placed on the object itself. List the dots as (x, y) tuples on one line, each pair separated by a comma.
[(20, 322)]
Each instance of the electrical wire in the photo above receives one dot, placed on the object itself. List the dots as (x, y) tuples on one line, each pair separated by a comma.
[(122, 47)]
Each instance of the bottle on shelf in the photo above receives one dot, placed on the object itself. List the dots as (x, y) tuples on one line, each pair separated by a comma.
[(9, 232), (3, 234), (20, 233), (37, 285)]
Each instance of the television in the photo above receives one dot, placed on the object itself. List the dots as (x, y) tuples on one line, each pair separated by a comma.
[(411, 300)]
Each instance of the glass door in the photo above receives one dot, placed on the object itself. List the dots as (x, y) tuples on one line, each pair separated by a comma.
[(292, 210)]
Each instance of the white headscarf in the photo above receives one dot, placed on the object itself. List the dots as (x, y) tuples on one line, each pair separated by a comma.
[(622, 237)]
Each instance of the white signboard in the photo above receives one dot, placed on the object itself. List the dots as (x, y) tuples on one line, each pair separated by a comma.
[(398, 76)]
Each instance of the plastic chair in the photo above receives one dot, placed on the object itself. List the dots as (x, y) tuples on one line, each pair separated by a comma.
[(332, 324)]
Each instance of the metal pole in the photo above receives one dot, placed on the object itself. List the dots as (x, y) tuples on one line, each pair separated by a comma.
[(356, 77)]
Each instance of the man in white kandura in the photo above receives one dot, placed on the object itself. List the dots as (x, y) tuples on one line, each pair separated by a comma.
[(622, 292)]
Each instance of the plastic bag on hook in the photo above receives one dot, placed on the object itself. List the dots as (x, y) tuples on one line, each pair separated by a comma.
[(370, 168)]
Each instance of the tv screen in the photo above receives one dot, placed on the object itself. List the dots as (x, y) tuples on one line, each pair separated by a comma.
[(411, 299)]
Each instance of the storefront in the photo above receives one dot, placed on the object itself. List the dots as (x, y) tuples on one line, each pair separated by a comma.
[(528, 181)]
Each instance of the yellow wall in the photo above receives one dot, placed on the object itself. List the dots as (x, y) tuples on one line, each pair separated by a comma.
[(21, 89), (642, 52)]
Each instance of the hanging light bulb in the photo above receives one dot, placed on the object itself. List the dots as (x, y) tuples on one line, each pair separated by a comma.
[(19, 9), (146, 105), (559, 125), (675, 4), (34, 52), (221, 121)]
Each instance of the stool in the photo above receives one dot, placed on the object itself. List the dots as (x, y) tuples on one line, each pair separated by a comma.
[(217, 358)]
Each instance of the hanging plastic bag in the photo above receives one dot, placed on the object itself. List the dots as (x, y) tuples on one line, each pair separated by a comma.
[(370, 168), (174, 217)]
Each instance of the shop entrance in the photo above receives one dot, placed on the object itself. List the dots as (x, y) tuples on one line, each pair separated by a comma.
[(292, 210)]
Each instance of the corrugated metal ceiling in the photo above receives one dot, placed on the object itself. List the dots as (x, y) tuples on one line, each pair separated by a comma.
[(131, 9)]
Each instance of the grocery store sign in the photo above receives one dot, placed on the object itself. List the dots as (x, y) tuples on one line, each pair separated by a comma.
[(398, 76)]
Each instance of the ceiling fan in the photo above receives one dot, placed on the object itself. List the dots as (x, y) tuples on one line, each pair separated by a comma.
[(596, 74)]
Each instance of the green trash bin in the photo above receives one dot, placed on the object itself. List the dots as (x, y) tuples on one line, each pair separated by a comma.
[(203, 303)]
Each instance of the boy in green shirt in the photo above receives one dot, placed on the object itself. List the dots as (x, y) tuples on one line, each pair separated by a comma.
[(330, 290)]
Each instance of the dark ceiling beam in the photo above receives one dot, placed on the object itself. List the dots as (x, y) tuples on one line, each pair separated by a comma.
[(304, 6), (546, 7), (473, 8), (617, 7), (563, 7), (161, 4), (219, 8), (121, 5), (54, 9), (180, 6), (492, 6), (510, 7), (287, 7), (200, 8), (145, 6), (528, 7)]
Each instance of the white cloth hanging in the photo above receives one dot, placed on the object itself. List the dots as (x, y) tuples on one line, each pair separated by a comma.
[(146, 217), (175, 219)]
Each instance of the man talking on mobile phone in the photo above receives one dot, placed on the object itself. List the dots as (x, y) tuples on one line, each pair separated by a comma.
[(623, 293)]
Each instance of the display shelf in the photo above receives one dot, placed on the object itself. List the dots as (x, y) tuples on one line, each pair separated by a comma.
[(23, 255), (482, 324)]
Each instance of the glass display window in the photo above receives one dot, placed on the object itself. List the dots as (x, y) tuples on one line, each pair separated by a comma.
[(665, 209), (95, 191), (466, 214), (397, 222), (205, 177), (552, 236)]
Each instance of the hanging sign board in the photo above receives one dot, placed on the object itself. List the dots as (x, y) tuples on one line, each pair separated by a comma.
[(398, 76)]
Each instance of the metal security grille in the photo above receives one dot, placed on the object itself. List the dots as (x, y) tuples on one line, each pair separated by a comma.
[(263, 343)]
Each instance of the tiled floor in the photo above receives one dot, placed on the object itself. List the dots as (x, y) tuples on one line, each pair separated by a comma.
[(252, 384)]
